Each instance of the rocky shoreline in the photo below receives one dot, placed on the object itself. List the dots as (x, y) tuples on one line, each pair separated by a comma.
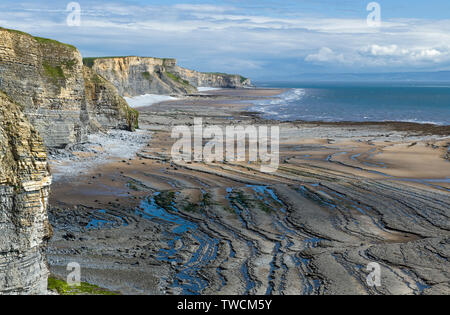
[(345, 195), (51, 101)]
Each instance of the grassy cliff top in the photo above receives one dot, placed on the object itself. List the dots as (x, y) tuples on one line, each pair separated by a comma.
[(39, 39)]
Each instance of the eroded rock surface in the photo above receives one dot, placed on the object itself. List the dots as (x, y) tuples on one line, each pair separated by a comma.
[(24, 189), (339, 201)]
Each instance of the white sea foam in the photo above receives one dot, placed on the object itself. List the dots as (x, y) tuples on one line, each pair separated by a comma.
[(418, 121), (290, 96), (148, 99), (206, 89), (272, 106)]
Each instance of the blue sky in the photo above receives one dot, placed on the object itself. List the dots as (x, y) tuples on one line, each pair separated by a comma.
[(262, 39)]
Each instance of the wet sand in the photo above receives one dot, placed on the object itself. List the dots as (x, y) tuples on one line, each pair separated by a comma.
[(344, 195)]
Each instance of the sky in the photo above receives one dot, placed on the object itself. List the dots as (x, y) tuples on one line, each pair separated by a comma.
[(260, 39)]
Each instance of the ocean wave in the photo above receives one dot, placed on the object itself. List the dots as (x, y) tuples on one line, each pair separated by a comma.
[(290, 96), (335, 104), (272, 106), (418, 121)]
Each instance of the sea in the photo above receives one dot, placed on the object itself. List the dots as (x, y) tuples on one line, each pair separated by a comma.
[(419, 102)]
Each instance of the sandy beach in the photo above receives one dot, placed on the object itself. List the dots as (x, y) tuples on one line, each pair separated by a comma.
[(344, 195)]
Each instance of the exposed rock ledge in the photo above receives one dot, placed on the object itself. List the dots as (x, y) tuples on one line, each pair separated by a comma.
[(24, 189), (134, 76), (63, 99)]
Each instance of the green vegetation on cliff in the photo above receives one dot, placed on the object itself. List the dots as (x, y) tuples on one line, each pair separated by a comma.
[(56, 73), (132, 118), (243, 79), (54, 42), (70, 64), (63, 288), (146, 75), (216, 73), (176, 78), (40, 39), (15, 31), (89, 61)]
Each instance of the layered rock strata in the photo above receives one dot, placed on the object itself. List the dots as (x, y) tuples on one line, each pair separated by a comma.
[(24, 189), (134, 76), (106, 107), (47, 79), (217, 80)]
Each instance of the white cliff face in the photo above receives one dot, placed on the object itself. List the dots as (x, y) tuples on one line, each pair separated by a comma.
[(134, 76), (24, 189), (214, 80)]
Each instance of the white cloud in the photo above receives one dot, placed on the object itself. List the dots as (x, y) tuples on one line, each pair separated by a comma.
[(326, 55), (203, 8), (238, 40), (408, 55), (379, 55), (432, 54), (391, 50)]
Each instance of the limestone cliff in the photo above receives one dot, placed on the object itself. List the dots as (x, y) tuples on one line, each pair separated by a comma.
[(219, 80), (134, 76), (105, 105), (47, 79), (24, 189)]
